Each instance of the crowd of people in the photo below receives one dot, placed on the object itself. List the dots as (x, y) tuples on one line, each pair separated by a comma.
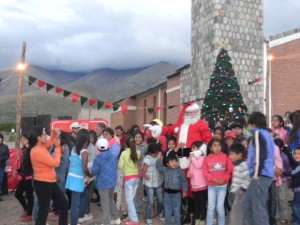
[(192, 172)]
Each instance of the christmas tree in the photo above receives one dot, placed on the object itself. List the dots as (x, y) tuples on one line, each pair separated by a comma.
[(223, 99)]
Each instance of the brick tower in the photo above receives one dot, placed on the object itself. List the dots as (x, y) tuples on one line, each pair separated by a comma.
[(237, 23)]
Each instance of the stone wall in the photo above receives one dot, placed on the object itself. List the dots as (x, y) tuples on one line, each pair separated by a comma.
[(237, 23)]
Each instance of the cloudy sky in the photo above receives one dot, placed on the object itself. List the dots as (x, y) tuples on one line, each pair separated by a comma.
[(78, 35)]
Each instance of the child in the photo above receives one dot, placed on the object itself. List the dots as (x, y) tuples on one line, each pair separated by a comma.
[(278, 128), (229, 137), (198, 183), (25, 173), (238, 130), (261, 171), (153, 182), (240, 182), (105, 168), (294, 158), (283, 189), (129, 161), (174, 181), (172, 149), (217, 170), (75, 179)]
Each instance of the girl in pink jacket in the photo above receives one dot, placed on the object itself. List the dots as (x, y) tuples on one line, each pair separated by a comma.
[(198, 183)]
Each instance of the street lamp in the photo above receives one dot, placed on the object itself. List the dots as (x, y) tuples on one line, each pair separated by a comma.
[(270, 58), (21, 68)]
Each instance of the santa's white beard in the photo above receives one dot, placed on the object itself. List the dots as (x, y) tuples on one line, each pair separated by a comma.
[(191, 120)]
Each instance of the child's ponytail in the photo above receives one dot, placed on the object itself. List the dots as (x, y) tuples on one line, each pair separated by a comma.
[(133, 153)]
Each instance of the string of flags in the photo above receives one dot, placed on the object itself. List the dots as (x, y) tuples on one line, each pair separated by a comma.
[(75, 97), (256, 80)]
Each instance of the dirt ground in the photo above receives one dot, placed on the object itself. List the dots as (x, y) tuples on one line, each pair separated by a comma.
[(11, 210)]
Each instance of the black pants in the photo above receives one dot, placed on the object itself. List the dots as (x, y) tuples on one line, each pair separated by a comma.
[(46, 191), (272, 203), (200, 204), (25, 186)]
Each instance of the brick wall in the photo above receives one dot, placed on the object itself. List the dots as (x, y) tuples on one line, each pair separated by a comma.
[(285, 74), (173, 98)]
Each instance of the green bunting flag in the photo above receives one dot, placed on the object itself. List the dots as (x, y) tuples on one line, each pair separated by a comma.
[(83, 100), (31, 80), (66, 93), (171, 106), (99, 104), (116, 107), (150, 110), (49, 87)]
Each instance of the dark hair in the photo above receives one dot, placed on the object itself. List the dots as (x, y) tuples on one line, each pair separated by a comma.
[(133, 153), (101, 126), (258, 119), (172, 138), (83, 131), (119, 127), (154, 148), (209, 145), (238, 149), (280, 118), (197, 144), (240, 139), (65, 136), (224, 124), (109, 130), (81, 140), (34, 134), (1, 136), (295, 119), (151, 140), (221, 129), (211, 122), (93, 135), (25, 135), (171, 157), (132, 129), (279, 143)]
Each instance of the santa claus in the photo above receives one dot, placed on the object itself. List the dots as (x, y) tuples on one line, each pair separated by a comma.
[(188, 129)]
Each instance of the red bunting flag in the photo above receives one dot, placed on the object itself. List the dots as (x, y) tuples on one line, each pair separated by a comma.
[(41, 84), (107, 105), (92, 102), (256, 80), (58, 90), (157, 109), (75, 97), (124, 109)]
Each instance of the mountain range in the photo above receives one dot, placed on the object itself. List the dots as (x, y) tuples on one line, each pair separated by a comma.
[(102, 84)]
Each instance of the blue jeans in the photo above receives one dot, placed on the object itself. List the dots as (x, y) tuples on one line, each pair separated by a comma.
[(216, 196), (78, 205), (2, 170), (130, 191), (35, 206), (172, 205), (296, 208), (150, 200), (254, 203)]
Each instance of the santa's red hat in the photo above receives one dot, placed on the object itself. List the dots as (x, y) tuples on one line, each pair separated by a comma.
[(186, 108)]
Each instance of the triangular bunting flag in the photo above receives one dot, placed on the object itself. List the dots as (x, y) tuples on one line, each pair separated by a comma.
[(108, 105), (157, 109), (66, 93), (41, 83), (75, 97), (150, 110), (83, 100), (49, 87), (31, 80), (58, 90), (124, 109), (92, 102), (116, 107), (99, 104), (171, 106)]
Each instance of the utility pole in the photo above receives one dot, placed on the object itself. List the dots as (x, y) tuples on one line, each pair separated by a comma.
[(21, 69)]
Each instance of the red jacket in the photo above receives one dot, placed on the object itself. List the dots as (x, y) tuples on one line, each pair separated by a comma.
[(217, 166)]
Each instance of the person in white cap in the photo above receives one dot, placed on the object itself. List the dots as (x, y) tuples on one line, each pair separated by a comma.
[(75, 126)]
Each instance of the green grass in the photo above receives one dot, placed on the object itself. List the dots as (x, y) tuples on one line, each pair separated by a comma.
[(6, 127)]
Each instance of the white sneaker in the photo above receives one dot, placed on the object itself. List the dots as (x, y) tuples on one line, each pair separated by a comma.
[(86, 217), (116, 222)]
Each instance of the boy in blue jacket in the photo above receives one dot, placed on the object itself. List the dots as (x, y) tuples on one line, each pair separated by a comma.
[(261, 171), (105, 168)]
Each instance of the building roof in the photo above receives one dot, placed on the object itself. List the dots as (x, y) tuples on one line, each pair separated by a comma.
[(179, 70), (284, 37)]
